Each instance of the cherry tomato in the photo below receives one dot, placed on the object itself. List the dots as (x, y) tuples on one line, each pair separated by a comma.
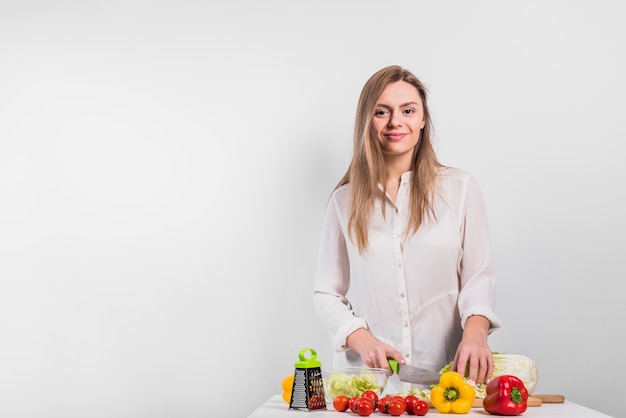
[(383, 404), (364, 407), (421, 407), (352, 403), (340, 403), (372, 396), (410, 401), (396, 407)]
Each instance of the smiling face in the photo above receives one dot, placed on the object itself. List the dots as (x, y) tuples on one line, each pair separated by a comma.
[(398, 120)]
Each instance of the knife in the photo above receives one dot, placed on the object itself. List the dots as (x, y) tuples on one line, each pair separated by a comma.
[(413, 374)]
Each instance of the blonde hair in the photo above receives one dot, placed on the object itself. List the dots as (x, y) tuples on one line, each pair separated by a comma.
[(367, 168)]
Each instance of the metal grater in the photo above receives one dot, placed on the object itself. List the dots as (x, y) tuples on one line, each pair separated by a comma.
[(307, 392)]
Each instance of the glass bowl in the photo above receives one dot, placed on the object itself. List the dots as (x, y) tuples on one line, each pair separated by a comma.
[(353, 381)]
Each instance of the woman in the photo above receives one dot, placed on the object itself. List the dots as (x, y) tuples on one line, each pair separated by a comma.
[(405, 269)]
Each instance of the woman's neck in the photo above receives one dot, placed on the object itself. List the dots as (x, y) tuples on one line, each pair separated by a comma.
[(397, 165), (395, 169)]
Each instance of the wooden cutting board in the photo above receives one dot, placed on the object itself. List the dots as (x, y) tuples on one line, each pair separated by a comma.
[(533, 400)]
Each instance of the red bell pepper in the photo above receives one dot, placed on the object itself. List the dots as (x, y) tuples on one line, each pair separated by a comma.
[(506, 395)]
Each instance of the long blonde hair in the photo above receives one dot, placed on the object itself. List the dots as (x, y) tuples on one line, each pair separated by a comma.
[(367, 168)]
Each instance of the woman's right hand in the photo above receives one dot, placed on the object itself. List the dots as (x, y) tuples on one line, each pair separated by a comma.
[(373, 352)]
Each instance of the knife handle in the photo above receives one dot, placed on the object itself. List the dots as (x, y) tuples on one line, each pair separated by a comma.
[(393, 364)]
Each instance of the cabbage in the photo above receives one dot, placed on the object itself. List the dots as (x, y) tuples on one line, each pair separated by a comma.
[(419, 392), (342, 384), (508, 364)]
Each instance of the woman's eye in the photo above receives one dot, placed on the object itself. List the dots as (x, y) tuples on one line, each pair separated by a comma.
[(380, 112), (408, 111)]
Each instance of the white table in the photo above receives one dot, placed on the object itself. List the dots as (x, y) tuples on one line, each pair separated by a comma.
[(276, 407)]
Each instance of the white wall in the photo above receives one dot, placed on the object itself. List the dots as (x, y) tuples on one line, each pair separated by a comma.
[(164, 168)]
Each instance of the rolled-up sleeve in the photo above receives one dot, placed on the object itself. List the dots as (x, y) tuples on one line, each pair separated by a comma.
[(332, 280), (476, 270)]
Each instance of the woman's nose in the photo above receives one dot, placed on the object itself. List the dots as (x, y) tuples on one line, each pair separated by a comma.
[(394, 120)]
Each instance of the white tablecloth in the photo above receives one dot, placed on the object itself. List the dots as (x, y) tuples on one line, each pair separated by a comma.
[(276, 407)]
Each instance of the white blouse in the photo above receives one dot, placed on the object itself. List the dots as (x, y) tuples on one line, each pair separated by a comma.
[(414, 293)]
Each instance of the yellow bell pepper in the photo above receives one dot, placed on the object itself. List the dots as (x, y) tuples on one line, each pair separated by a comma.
[(287, 385), (453, 394)]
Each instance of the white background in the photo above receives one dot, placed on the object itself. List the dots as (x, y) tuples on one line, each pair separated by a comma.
[(165, 165)]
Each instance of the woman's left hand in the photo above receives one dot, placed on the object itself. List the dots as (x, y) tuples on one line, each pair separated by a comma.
[(474, 354)]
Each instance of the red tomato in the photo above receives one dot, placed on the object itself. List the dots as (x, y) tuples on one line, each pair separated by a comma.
[(421, 407), (383, 404), (410, 401), (372, 396), (364, 407), (396, 407), (352, 403), (340, 403)]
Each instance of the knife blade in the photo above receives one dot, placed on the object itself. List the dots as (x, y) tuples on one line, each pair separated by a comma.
[(414, 374)]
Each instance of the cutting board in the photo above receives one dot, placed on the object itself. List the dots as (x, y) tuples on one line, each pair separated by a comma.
[(533, 400)]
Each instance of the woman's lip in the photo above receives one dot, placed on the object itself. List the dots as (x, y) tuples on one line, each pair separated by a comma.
[(395, 136)]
